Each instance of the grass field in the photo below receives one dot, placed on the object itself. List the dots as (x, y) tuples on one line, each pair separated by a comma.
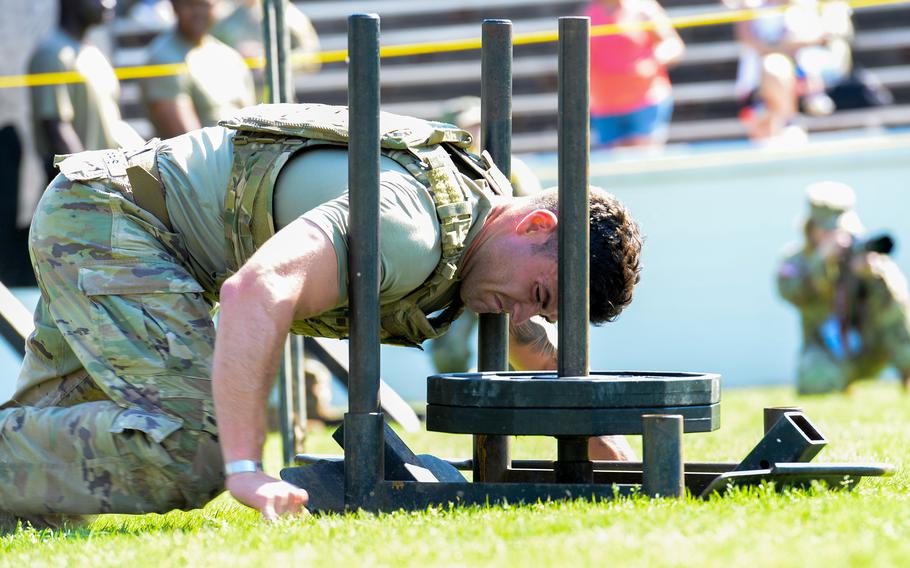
[(867, 527)]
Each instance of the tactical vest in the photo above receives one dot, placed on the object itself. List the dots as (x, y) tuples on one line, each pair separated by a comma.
[(267, 136)]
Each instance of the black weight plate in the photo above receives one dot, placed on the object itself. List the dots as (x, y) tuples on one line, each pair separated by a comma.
[(600, 389), (562, 421)]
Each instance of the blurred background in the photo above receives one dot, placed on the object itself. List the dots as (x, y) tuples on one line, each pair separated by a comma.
[(719, 191)]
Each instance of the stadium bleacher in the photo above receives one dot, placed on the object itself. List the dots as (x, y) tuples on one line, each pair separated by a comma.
[(705, 106)]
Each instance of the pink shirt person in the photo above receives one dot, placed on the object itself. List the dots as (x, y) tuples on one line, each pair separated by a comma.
[(629, 64)]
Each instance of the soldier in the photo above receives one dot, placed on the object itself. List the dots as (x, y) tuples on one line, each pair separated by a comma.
[(123, 378), (852, 298), (80, 115), (215, 84), (452, 352), (242, 30)]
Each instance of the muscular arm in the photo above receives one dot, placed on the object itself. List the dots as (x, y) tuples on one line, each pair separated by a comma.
[(532, 345), (669, 47), (294, 275), (173, 117), (61, 136)]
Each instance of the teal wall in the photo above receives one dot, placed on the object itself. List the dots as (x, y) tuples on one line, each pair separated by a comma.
[(715, 225), (716, 220)]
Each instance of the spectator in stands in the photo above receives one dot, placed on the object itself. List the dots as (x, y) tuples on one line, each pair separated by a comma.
[(71, 117), (15, 268), (214, 84), (851, 296), (631, 97), (793, 54), (242, 30), (154, 14)]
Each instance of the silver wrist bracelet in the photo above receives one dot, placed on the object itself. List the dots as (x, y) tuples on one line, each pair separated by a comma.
[(242, 466)]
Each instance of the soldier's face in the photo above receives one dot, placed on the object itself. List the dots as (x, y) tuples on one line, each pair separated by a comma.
[(821, 236), (95, 12), (194, 17), (510, 273), (522, 287)]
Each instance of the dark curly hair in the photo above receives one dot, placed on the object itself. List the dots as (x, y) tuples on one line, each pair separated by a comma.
[(615, 251)]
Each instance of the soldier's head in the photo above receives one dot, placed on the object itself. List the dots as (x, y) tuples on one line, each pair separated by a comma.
[(86, 13), (830, 211), (463, 112), (512, 267), (194, 18)]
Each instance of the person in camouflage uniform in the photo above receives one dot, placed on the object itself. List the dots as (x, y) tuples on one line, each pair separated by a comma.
[(853, 302), (115, 409), (452, 352)]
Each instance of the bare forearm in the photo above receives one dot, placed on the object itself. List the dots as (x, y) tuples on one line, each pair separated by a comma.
[(62, 137), (173, 117), (257, 306), (251, 333), (670, 51)]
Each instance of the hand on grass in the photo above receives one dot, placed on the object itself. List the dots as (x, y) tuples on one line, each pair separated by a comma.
[(271, 497)]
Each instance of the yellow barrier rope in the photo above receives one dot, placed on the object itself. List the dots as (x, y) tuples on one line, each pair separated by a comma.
[(404, 50)]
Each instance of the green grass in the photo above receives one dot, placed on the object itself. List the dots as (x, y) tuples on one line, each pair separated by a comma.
[(867, 527)]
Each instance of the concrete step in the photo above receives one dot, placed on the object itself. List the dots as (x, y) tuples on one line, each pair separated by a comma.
[(703, 81), (698, 58), (544, 139), (318, 87)]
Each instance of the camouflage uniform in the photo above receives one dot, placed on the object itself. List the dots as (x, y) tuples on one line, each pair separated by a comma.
[(119, 416), (852, 329), (114, 410)]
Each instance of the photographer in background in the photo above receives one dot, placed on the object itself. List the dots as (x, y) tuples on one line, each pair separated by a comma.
[(852, 297)]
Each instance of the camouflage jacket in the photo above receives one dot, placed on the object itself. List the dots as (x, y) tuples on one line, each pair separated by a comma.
[(434, 153), (864, 300)]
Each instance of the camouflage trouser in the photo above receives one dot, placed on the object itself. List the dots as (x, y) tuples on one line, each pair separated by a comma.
[(888, 343), (114, 408), (819, 371)]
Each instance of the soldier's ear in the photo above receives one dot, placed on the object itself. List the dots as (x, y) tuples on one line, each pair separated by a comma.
[(539, 222)]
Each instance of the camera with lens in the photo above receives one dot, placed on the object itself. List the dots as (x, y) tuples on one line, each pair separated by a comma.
[(882, 243)]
